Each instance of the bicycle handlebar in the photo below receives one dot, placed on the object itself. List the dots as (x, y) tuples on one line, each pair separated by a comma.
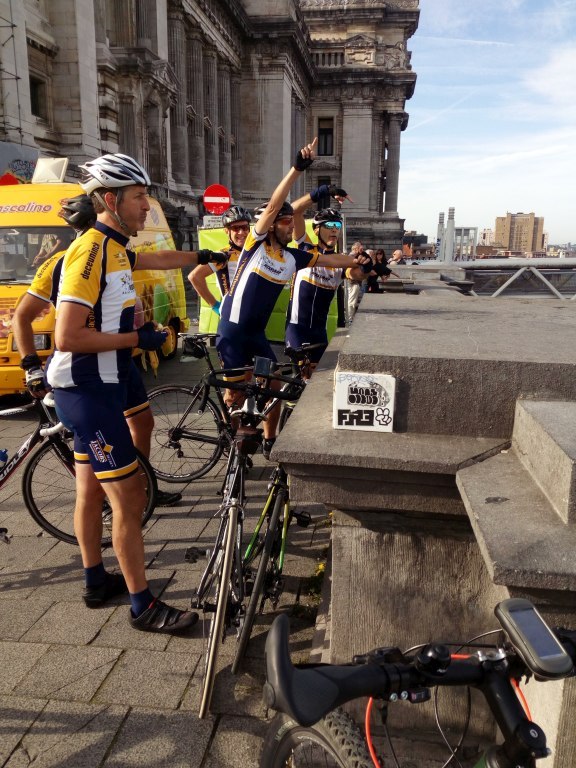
[(308, 692)]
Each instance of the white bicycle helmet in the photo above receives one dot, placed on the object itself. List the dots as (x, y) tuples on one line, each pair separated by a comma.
[(112, 172)]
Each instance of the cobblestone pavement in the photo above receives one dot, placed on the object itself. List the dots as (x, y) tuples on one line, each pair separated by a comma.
[(80, 688)]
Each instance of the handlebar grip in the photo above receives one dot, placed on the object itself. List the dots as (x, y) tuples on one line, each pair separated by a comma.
[(307, 694)]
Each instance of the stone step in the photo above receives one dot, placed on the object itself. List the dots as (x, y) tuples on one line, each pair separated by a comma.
[(522, 539), (544, 438)]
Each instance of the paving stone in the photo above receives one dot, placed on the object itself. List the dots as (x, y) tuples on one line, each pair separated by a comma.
[(68, 673), (238, 741), (68, 623), (160, 739), (148, 679), (17, 660), (68, 734), (16, 716), (18, 615)]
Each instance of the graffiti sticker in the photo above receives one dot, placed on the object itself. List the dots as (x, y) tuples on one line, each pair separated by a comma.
[(363, 401)]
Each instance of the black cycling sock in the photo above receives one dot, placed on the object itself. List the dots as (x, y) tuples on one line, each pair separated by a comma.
[(95, 576), (140, 601)]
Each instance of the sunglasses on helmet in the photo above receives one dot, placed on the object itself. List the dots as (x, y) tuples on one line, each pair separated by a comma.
[(332, 224)]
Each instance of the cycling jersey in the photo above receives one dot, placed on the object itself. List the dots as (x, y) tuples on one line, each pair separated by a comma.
[(312, 292), (44, 286), (260, 277), (225, 272), (97, 274)]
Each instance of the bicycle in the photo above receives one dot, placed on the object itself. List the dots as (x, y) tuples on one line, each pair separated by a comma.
[(310, 729), (191, 432), (49, 479), (263, 560), (226, 580)]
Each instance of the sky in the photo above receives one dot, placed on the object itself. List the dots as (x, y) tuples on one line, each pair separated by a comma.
[(492, 126)]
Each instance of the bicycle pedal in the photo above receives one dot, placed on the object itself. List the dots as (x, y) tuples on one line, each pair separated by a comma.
[(303, 519), (249, 462), (193, 554)]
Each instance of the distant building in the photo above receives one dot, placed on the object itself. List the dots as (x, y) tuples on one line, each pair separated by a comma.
[(486, 237), (455, 243), (522, 232)]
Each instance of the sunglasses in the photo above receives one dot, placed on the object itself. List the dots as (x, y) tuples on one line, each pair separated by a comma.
[(284, 220), (332, 224), (240, 227)]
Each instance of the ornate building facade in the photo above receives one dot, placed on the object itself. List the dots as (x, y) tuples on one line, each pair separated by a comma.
[(205, 91)]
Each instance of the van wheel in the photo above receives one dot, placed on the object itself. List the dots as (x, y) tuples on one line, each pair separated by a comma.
[(170, 347)]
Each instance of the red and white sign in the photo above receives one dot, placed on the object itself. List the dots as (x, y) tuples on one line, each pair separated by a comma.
[(216, 199)]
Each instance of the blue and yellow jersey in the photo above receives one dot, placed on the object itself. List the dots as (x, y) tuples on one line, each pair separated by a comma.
[(97, 274), (261, 274), (47, 278), (226, 272), (312, 291)]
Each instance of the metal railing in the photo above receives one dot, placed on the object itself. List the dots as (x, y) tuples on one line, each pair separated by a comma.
[(522, 278)]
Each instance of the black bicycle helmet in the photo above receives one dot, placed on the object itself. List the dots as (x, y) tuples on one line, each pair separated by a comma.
[(78, 212), (285, 210), (235, 213), (326, 215)]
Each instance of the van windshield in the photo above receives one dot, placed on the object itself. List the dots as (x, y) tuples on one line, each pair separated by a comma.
[(24, 249)]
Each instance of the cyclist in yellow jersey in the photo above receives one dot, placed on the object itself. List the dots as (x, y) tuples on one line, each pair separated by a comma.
[(94, 337), (236, 222), (78, 212)]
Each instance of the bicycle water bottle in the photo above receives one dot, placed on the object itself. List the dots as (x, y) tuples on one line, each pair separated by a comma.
[(3, 457)]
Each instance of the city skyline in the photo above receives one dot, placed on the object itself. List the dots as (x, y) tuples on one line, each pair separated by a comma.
[(492, 125)]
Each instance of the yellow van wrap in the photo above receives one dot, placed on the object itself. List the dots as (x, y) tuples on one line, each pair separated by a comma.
[(29, 228), (216, 239)]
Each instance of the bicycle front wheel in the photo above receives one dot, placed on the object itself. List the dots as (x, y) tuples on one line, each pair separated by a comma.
[(185, 444), (218, 609), (266, 573), (333, 742), (49, 491)]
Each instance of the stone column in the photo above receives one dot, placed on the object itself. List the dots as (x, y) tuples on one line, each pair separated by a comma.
[(195, 90), (357, 120), (393, 163), (225, 124), (124, 23), (236, 148), (178, 126), (146, 24), (126, 119), (211, 112)]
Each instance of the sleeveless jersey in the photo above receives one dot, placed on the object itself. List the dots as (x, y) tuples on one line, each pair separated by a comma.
[(260, 277), (312, 291), (97, 273)]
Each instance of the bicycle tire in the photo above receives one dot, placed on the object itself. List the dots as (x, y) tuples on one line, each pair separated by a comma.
[(215, 634), (201, 444), (49, 491), (258, 587), (333, 742)]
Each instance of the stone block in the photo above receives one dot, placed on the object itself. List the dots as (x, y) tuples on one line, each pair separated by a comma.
[(544, 439), (524, 542), (461, 365)]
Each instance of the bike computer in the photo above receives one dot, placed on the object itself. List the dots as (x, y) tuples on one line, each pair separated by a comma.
[(533, 639)]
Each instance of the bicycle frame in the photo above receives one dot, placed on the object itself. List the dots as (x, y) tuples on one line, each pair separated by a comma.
[(37, 437)]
